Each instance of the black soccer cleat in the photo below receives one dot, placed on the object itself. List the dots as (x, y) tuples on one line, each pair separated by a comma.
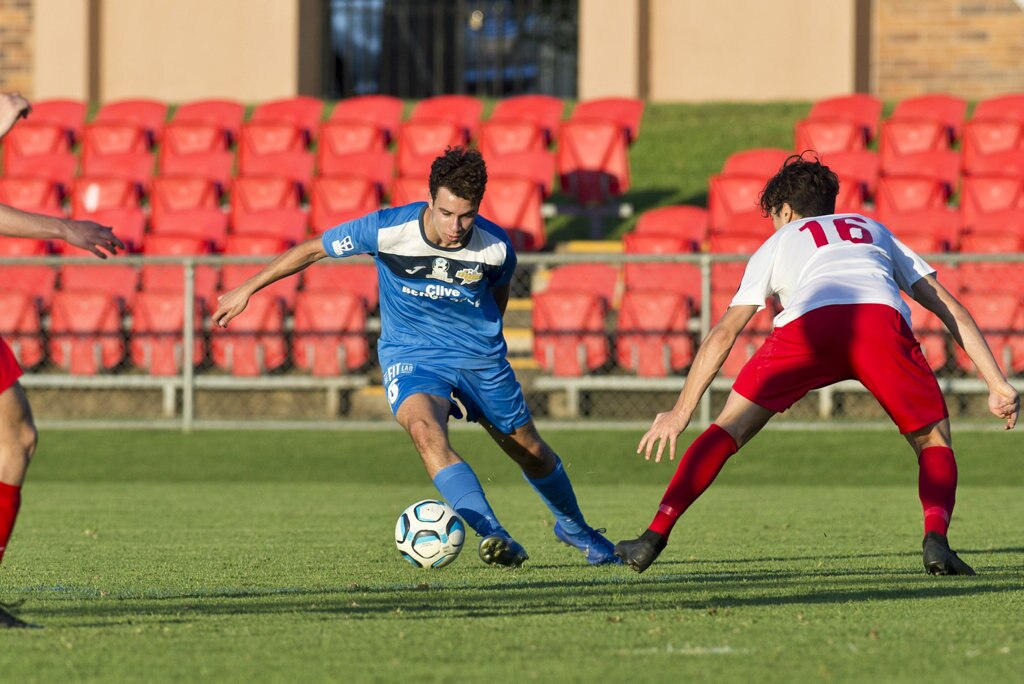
[(640, 553), (9, 621), (500, 549), (939, 559)]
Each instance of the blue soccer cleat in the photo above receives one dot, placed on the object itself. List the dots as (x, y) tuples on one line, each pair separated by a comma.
[(500, 549), (597, 549)]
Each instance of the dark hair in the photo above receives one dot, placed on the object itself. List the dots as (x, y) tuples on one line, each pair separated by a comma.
[(807, 185), (462, 171)]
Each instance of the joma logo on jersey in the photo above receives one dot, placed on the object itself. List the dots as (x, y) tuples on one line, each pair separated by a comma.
[(342, 246), (469, 276)]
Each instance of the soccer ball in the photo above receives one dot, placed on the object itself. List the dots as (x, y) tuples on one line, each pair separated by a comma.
[(429, 534)]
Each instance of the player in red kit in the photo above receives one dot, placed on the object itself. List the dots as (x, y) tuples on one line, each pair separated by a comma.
[(17, 431), (839, 278)]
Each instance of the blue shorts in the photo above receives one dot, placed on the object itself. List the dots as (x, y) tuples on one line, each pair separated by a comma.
[(493, 393)]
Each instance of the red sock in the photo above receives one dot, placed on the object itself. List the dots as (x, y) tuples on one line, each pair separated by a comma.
[(936, 485), (697, 469), (10, 502)]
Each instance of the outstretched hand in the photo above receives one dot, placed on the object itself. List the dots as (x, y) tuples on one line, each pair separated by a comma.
[(92, 237), (1004, 402), (664, 430), (229, 305)]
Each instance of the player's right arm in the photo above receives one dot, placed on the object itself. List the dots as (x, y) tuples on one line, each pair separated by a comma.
[(1003, 400), (233, 302), (710, 356), (85, 234)]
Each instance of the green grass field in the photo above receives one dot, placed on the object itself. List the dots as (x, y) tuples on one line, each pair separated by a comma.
[(267, 556)]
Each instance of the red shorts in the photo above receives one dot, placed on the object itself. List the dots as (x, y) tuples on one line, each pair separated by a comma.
[(871, 343), (10, 371)]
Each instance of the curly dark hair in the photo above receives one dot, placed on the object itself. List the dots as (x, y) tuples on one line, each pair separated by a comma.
[(807, 185), (462, 171)]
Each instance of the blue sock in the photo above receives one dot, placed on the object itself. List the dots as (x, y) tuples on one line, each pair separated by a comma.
[(460, 487), (555, 490)]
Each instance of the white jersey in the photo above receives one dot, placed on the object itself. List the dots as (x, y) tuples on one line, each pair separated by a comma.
[(825, 260)]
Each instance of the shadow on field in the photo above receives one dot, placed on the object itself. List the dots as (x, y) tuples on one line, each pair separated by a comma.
[(613, 592)]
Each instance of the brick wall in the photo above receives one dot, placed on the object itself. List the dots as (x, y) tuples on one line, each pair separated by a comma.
[(970, 48), (16, 46)]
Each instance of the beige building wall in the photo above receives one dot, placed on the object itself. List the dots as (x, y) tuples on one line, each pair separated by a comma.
[(609, 45), (695, 50), (60, 66)]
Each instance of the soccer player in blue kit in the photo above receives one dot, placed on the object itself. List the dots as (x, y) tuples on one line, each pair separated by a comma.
[(444, 274)]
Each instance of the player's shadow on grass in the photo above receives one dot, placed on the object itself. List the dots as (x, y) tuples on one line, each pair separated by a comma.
[(615, 593)]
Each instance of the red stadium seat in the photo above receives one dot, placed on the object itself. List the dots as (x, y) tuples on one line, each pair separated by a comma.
[(114, 149), (850, 199), (196, 149), (948, 110), (187, 206), (157, 333), (992, 276), (169, 278), (862, 167), (22, 247), (652, 333), (514, 204), (569, 336), (986, 138), (38, 195), (726, 275), (592, 160), (66, 114), (39, 282), (267, 205), (1001, 107), (662, 276), (825, 136), (329, 334), (39, 150), (593, 278), (254, 245), (420, 142), (863, 110), (340, 139), (254, 343), (763, 161), (626, 112), (543, 110), (461, 110), (85, 332), (378, 167), (408, 189), (149, 115), (930, 332), (902, 137), (734, 204), (302, 111), (690, 222), (989, 194), (537, 165), (936, 228), (902, 194), (359, 279), (117, 281), (21, 327), (383, 111), (1007, 163), (94, 193), (999, 315), (506, 137), (225, 115), (274, 148), (340, 199), (940, 165)]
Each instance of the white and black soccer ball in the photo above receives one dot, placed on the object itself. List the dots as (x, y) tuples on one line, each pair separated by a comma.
[(429, 534)]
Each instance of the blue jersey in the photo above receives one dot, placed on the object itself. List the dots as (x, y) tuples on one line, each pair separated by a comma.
[(436, 304)]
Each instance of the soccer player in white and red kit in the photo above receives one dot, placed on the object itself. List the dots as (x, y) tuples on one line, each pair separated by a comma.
[(838, 277), (17, 430)]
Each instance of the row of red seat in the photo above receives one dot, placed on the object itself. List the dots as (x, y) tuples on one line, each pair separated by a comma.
[(591, 155)]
